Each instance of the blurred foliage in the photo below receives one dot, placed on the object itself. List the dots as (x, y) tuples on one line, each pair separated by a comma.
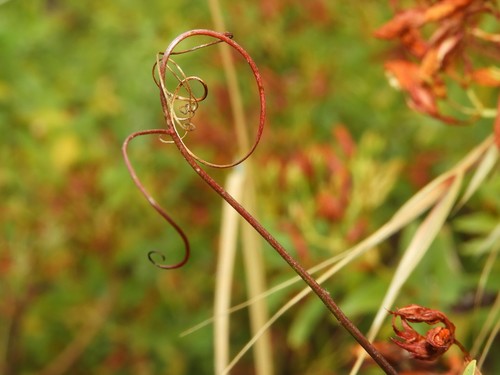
[(341, 152)]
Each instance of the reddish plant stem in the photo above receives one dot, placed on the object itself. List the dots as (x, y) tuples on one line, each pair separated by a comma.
[(154, 204), (323, 294), (297, 267)]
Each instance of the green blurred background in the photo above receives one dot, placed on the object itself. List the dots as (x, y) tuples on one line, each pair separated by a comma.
[(78, 294)]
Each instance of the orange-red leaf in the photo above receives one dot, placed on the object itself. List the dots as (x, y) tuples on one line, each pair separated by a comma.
[(435, 342), (400, 24), (487, 77), (422, 95), (444, 9), (407, 76), (404, 72), (344, 139), (412, 40), (435, 58)]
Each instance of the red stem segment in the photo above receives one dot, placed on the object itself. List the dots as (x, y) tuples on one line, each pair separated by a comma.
[(154, 204), (297, 267), (193, 162)]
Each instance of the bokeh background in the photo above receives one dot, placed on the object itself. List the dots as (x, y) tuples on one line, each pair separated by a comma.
[(340, 153)]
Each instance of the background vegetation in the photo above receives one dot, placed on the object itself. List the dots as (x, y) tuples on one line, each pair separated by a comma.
[(341, 153)]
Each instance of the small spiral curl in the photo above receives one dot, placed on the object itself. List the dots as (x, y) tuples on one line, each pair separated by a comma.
[(179, 107)]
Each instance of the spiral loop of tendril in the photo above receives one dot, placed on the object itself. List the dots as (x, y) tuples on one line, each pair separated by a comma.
[(155, 205), (188, 109), (180, 105), (182, 108)]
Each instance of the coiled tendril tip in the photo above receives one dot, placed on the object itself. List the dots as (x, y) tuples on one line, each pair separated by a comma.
[(180, 105)]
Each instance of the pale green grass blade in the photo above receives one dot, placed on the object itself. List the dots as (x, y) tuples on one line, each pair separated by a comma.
[(494, 332), (493, 316), (485, 166), (265, 327), (471, 368), (240, 125), (224, 273), (423, 195), (488, 265), (420, 243), (235, 97), (412, 209), (473, 156), (267, 293), (256, 285), (420, 202)]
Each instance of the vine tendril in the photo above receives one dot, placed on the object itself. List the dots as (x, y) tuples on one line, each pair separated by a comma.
[(180, 105), (184, 121), (153, 203), (169, 98)]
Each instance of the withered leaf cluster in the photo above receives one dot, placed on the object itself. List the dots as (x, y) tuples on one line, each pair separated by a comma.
[(438, 40), (434, 343)]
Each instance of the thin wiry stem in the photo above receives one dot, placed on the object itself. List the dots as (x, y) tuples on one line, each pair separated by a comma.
[(153, 203), (167, 104)]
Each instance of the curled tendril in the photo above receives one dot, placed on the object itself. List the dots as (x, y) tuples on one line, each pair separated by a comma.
[(167, 98), (153, 203), (180, 105), (182, 108), (190, 102)]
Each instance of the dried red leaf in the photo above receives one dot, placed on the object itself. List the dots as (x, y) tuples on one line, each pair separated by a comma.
[(454, 22), (344, 139), (299, 243), (423, 100), (422, 95), (329, 206), (435, 342), (407, 76), (418, 314)]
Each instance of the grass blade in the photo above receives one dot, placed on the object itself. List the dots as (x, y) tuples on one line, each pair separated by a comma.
[(421, 241), (224, 273), (487, 163), (256, 285), (471, 368)]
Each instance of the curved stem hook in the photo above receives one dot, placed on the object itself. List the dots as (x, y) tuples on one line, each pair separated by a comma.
[(194, 161), (154, 204)]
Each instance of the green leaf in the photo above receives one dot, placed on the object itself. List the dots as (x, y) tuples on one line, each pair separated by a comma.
[(365, 298), (476, 223), (305, 322), (471, 368)]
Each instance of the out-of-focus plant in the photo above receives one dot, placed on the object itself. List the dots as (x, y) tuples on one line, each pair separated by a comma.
[(425, 86), (422, 75), (440, 43), (328, 191), (438, 46)]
